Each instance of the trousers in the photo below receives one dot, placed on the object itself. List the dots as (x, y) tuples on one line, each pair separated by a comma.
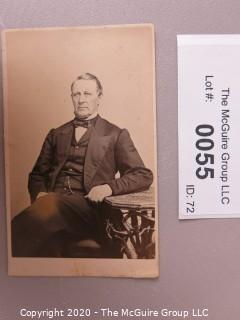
[(42, 222)]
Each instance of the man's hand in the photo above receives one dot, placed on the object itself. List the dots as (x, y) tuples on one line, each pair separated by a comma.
[(98, 193), (41, 194)]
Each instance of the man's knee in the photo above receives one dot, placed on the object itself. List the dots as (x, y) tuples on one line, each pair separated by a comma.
[(42, 210)]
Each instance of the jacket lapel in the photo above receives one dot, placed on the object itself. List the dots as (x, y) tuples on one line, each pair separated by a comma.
[(63, 145), (98, 145), (65, 142)]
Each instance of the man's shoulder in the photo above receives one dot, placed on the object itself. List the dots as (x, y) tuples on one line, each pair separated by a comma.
[(107, 125), (64, 127)]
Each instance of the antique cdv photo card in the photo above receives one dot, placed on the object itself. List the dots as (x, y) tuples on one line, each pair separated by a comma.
[(80, 151)]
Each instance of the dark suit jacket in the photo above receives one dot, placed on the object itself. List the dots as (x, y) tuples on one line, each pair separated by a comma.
[(110, 150)]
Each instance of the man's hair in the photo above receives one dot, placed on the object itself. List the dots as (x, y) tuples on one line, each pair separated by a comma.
[(89, 76)]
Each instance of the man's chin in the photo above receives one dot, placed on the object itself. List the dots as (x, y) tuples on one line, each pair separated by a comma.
[(82, 116)]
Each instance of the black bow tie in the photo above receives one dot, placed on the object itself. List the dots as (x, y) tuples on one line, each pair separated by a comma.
[(82, 123)]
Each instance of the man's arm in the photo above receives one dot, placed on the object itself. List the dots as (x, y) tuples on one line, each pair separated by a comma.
[(38, 178), (134, 176)]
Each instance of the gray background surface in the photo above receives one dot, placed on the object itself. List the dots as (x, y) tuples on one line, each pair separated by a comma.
[(199, 260)]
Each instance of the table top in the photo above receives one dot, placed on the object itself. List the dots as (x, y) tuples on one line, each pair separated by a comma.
[(139, 200)]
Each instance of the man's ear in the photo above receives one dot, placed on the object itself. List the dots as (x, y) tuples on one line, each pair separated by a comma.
[(99, 99)]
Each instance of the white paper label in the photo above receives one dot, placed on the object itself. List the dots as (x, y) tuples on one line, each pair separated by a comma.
[(209, 126)]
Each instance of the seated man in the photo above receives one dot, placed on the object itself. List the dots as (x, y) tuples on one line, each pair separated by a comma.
[(74, 172)]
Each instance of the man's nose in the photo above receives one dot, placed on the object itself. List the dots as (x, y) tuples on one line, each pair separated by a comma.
[(81, 99)]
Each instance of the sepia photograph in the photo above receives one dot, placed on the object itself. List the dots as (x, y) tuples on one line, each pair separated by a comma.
[(80, 151)]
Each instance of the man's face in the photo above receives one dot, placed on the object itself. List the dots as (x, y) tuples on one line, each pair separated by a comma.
[(85, 97)]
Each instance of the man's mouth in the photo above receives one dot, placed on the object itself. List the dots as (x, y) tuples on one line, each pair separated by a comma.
[(82, 108)]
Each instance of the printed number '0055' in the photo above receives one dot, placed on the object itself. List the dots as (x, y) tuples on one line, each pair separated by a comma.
[(204, 158)]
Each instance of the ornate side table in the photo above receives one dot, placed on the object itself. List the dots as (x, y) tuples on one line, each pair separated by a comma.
[(134, 225)]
